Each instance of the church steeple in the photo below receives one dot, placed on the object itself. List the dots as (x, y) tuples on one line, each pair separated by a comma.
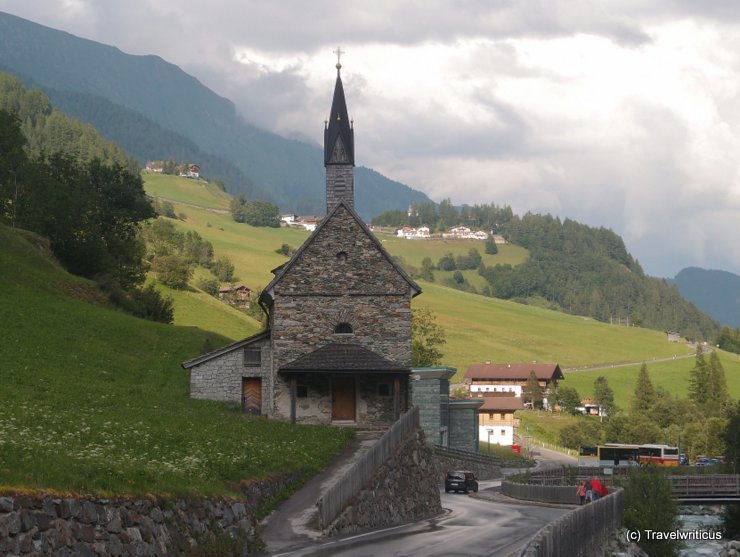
[(339, 148)]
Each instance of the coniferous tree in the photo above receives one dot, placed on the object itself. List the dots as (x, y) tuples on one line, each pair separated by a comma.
[(491, 247), (718, 397), (604, 395), (699, 380), (532, 391), (644, 397)]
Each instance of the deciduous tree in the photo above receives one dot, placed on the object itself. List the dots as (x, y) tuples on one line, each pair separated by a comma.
[(569, 399), (427, 338)]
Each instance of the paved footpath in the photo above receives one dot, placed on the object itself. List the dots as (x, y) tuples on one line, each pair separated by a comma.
[(292, 524)]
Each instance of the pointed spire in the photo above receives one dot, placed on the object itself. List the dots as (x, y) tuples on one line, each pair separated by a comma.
[(339, 140), (339, 148)]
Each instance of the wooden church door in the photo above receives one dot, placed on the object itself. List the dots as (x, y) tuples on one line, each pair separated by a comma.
[(343, 402), (252, 395)]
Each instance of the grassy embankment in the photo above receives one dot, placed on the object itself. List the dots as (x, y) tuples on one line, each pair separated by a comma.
[(478, 328), (94, 401)]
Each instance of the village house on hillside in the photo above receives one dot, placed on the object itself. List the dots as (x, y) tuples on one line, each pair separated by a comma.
[(501, 386), (413, 233), (337, 348), (235, 295), (497, 422), (185, 170), (502, 378)]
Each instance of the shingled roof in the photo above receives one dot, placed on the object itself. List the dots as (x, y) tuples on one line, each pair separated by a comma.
[(501, 403), (517, 372), (342, 358), (225, 349)]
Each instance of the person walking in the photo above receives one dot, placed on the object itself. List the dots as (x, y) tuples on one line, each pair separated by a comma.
[(588, 490), (581, 491), (596, 488)]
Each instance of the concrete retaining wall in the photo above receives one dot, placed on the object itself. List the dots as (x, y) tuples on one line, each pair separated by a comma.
[(564, 495)]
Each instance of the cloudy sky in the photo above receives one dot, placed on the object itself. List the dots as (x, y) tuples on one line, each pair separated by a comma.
[(615, 113)]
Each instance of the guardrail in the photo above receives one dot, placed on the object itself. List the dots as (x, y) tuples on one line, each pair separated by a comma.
[(338, 495), (689, 487), (706, 487)]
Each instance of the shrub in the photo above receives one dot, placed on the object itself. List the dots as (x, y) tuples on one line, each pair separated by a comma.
[(173, 271), (208, 285), (223, 268), (148, 303), (648, 505)]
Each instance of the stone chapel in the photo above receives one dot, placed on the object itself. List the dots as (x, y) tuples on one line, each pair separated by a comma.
[(337, 348)]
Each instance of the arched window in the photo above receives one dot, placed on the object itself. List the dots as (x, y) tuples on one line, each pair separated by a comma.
[(343, 328)]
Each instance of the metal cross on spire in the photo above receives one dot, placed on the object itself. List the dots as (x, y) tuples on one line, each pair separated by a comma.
[(339, 53)]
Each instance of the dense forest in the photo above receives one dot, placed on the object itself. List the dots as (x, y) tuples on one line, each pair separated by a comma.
[(588, 271), (61, 179), (573, 267)]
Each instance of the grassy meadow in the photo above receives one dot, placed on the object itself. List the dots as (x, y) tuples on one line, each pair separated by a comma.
[(477, 328), (94, 401), (186, 190), (672, 375)]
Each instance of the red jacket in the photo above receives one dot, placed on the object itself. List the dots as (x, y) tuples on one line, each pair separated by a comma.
[(597, 486)]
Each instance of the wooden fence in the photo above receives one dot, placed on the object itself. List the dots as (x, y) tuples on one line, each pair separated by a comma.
[(338, 495), (583, 532)]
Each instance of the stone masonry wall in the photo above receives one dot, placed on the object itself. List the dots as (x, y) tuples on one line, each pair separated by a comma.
[(46, 525), (482, 470), (220, 378), (51, 526), (426, 395), (339, 185), (302, 324), (404, 489), (464, 429)]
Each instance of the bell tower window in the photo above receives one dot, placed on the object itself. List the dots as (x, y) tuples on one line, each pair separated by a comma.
[(343, 328)]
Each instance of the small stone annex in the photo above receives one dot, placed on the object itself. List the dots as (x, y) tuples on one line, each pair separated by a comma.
[(337, 348)]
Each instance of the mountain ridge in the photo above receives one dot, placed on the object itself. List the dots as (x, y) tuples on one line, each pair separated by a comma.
[(715, 291), (289, 171)]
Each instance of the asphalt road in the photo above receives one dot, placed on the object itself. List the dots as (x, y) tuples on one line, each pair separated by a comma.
[(470, 527)]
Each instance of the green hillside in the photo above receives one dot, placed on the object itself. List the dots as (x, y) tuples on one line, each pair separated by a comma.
[(186, 190), (478, 328), (672, 375), (95, 401)]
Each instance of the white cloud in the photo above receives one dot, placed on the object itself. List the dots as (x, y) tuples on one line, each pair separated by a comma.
[(621, 113)]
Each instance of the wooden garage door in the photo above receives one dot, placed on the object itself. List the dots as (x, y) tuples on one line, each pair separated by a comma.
[(343, 398), (252, 395)]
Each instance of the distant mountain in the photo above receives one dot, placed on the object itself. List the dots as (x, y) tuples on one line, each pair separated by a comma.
[(715, 292), (149, 94)]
